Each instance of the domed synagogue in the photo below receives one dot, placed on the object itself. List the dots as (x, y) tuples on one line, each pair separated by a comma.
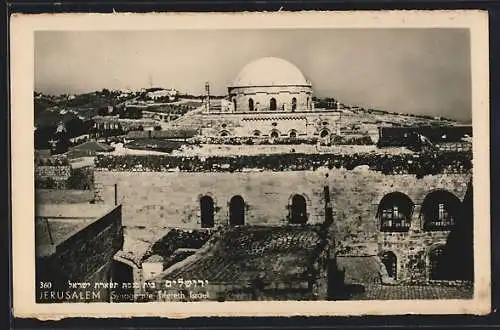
[(270, 97)]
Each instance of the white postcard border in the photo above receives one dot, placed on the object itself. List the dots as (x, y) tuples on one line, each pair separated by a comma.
[(22, 84)]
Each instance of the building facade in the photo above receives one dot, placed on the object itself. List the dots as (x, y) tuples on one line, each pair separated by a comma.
[(269, 97), (404, 221)]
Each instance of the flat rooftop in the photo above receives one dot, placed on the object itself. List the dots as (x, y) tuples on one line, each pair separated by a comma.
[(231, 150)]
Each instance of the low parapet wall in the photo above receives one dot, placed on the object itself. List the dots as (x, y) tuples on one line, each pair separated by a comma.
[(417, 164)]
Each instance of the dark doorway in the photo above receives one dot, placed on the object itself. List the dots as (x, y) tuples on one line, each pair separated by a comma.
[(234, 104), (436, 263), (298, 211), (236, 211), (272, 104), (294, 104), (123, 275), (207, 212), (250, 104), (459, 248), (391, 263), (324, 133)]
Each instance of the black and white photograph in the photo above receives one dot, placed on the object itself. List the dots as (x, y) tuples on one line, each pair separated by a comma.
[(255, 163)]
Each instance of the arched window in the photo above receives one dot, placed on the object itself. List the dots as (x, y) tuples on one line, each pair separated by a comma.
[(256, 133), (439, 210), (250, 104), (391, 264), (272, 104), (274, 134), (298, 210), (207, 212), (236, 211), (294, 104), (234, 104), (308, 103), (224, 133), (436, 263), (324, 133), (293, 134), (394, 212)]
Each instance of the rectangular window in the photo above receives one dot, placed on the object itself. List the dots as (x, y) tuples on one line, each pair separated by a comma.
[(395, 212), (392, 219), (442, 214)]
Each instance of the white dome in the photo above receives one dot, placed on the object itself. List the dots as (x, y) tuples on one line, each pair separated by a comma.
[(270, 71)]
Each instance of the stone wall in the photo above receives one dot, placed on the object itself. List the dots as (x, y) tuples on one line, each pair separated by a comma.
[(85, 257), (261, 97), (161, 199), (310, 123), (64, 177), (88, 250), (54, 175), (61, 171)]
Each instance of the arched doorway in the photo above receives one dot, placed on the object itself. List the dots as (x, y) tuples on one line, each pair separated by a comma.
[(436, 263), (123, 275), (250, 104), (275, 134), (294, 104), (237, 211), (272, 104), (391, 264), (298, 210), (293, 134), (207, 212)]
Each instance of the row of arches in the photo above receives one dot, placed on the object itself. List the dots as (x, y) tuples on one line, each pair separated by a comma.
[(438, 211), (275, 133), (272, 105), (237, 207), (436, 264)]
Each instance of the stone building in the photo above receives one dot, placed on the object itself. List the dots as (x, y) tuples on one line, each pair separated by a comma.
[(345, 216), (270, 84), (390, 228), (269, 97), (75, 248)]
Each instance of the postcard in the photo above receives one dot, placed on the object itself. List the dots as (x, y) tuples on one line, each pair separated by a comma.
[(250, 164)]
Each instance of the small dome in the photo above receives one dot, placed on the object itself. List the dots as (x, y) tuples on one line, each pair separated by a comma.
[(270, 71)]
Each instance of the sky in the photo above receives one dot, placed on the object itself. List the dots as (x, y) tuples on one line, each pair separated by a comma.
[(421, 71)]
